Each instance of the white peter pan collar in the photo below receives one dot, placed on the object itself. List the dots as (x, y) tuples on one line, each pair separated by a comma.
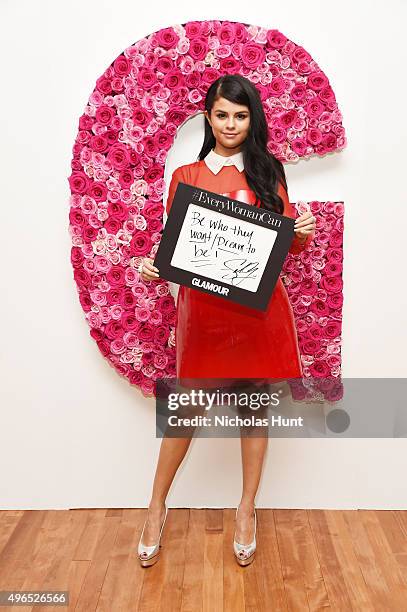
[(215, 162)]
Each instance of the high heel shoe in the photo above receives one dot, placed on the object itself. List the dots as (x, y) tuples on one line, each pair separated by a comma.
[(148, 555), (244, 553)]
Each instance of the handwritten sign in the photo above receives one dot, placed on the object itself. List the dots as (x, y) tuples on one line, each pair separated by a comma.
[(223, 246)]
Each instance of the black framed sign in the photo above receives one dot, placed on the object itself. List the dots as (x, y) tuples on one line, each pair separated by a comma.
[(223, 246)]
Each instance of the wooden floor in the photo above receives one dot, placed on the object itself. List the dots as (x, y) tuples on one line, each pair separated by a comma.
[(305, 560)]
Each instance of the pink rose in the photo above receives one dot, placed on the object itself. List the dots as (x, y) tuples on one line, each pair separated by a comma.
[(97, 191), (140, 243)]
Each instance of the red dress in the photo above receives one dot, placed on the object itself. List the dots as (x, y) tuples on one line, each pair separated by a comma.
[(217, 338)]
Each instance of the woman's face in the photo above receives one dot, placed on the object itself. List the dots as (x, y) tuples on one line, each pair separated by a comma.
[(230, 124)]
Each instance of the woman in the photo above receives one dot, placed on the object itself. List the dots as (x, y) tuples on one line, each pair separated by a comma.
[(216, 338)]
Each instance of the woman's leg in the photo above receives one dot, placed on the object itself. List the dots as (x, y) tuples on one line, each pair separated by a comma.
[(253, 451), (172, 452)]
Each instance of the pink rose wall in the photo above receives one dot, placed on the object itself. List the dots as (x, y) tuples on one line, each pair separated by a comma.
[(116, 205)]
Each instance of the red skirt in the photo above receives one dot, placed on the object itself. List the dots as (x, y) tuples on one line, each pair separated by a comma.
[(217, 338)]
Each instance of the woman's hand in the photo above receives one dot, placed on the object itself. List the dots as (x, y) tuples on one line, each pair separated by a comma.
[(304, 225), (147, 270)]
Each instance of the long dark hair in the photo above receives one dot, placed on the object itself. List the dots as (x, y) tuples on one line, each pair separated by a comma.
[(262, 169)]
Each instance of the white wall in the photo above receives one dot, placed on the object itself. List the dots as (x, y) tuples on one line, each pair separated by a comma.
[(75, 434)]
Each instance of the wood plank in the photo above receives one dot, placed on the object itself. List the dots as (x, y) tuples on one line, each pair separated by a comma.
[(330, 566), (213, 571), (123, 582), (269, 562), (352, 575), (233, 576), (99, 542), (192, 586), (372, 574), (384, 559)]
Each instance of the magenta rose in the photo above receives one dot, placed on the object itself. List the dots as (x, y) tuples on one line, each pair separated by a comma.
[(332, 329), (77, 218), (198, 48), (164, 64), (317, 81), (167, 38), (135, 377), (112, 225), (140, 243), (335, 300), (277, 88), (333, 269), (299, 94), (141, 117), (129, 321), (320, 308), (193, 29), (113, 330), (118, 156), (153, 210), (117, 210), (319, 369), (78, 182), (310, 347), (314, 136), (299, 146), (146, 78), (103, 85), (77, 257), (226, 33), (161, 334), (174, 79), (126, 177), (253, 55), (275, 39), (104, 114), (128, 300), (99, 143), (122, 66), (97, 191), (145, 332), (314, 108), (287, 119), (332, 284), (115, 276)]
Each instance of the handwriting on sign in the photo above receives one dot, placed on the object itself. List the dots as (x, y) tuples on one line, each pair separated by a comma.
[(226, 249)]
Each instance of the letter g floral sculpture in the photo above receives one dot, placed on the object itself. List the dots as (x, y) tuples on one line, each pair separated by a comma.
[(117, 186)]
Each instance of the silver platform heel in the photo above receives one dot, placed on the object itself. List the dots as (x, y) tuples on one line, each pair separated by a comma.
[(244, 553), (148, 555)]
